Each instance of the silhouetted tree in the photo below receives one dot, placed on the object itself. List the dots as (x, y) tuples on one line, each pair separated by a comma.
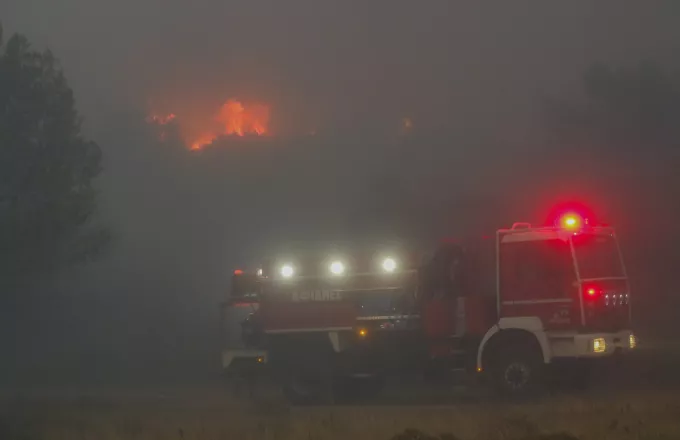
[(46, 168)]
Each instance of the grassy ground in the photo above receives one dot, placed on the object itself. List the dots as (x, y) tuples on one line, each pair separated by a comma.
[(644, 403), (636, 416)]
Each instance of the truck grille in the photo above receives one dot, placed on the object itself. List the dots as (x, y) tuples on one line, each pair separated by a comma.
[(610, 314), (615, 299)]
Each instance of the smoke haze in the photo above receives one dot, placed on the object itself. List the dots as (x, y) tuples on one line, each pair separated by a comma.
[(339, 80)]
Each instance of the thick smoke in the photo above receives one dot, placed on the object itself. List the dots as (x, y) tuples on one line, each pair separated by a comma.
[(424, 123)]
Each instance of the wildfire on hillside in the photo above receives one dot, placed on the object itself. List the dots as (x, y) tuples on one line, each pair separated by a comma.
[(240, 120), (233, 118)]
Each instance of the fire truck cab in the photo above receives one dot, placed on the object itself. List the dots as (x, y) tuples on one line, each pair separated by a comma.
[(562, 290), (504, 310)]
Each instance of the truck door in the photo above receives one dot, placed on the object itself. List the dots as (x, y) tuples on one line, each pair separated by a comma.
[(537, 280)]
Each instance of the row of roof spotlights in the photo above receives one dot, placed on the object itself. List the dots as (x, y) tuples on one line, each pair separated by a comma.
[(338, 268)]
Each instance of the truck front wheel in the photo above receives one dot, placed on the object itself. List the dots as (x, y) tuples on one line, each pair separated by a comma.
[(517, 371)]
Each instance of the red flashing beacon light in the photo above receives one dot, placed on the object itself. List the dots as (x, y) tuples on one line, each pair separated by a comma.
[(572, 221), (571, 216)]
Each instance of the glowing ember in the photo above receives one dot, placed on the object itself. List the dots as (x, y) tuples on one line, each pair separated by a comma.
[(161, 119), (406, 125)]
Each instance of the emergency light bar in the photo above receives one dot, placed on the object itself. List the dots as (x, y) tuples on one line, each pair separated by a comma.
[(334, 267)]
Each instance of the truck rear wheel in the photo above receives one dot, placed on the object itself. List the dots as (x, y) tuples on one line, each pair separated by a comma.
[(517, 371)]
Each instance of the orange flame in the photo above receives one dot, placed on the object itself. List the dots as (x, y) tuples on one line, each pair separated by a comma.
[(240, 120), (202, 141), (232, 116), (233, 119), (236, 119)]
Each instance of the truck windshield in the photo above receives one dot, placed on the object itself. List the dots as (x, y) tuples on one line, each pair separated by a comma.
[(597, 256)]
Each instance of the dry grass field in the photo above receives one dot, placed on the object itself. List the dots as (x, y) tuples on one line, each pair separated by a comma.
[(641, 401)]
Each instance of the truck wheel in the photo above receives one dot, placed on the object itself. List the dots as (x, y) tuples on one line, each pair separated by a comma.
[(300, 390), (517, 371)]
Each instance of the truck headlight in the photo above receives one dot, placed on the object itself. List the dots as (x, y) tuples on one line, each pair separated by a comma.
[(337, 268), (599, 345), (389, 264), (287, 271), (632, 342)]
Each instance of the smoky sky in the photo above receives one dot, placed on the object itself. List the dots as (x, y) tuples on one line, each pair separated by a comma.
[(469, 75), (329, 63)]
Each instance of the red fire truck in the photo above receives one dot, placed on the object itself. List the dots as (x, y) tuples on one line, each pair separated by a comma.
[(506, 309)]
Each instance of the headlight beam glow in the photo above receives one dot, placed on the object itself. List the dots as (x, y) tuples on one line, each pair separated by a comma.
[(337, 268), (287, 271), (389, 265)]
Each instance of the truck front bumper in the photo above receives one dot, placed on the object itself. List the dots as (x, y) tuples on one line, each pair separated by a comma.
[(592, 345)]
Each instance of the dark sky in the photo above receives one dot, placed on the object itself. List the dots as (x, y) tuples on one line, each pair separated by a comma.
[(469, 74), (330, 62)]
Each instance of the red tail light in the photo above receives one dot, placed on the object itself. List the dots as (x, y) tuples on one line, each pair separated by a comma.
[(243, 304), (238, 272)]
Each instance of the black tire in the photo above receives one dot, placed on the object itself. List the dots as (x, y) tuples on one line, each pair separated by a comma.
[(517, 371)]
